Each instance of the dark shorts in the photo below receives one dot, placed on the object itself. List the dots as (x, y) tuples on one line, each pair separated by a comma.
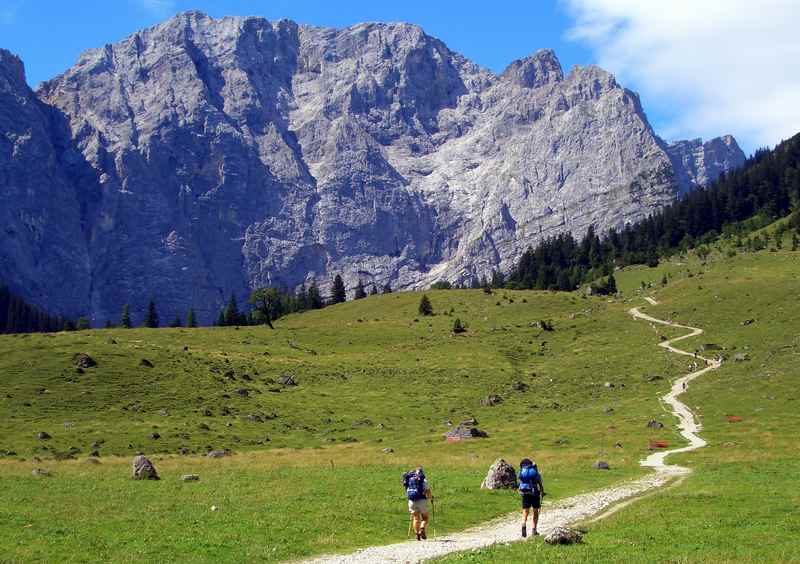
[(531, 501)]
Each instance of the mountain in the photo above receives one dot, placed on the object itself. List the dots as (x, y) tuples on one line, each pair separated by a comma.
[(203, 157)]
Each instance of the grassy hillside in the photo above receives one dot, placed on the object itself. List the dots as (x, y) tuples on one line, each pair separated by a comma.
[(740, 504), (374, 374)]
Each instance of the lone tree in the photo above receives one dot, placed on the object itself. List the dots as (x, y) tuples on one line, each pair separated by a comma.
[(151, 320), (125, 322), (360, 292), (425, 307), (314, 297), (338, 293), (611, 285), (190, 319), (266, 301), (232, 315), (458, 327), (387, 288)]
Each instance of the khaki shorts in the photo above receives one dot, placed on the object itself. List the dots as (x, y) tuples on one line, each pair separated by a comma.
[(419, 506)]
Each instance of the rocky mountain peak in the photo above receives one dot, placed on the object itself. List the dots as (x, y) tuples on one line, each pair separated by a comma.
[(12, 71), (202, 157), (536, 70)]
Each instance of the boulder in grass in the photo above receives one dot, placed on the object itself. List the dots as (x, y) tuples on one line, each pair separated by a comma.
[(601, 465), (143, 469), (218, 453), (563, 535), (144, 363), (83, 360), (41, 473), (190, 478), (286, 380), (491, 400), (465, 432), (653, 424), (501, 476), (43, 436)]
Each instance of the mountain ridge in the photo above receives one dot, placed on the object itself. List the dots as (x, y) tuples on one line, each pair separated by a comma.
[(218, 155)]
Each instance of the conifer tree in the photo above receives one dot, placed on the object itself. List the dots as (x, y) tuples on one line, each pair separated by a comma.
[(387, 288), (458, 327), (314, 297), (176, 322), (231, 316), (151, 320), (125, 321), (190, 318), (221, 318), (611, 285), (360, 293), (338, 293), (425, 306), (374, 291)]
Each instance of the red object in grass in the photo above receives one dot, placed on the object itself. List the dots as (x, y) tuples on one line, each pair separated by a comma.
[(734, 418), (658, 444)]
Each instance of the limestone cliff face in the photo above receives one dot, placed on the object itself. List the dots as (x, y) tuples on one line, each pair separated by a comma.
[(43, 247), (697, 163), (214, 156)]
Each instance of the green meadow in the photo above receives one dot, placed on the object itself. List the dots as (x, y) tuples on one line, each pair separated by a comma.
[(308, 474)]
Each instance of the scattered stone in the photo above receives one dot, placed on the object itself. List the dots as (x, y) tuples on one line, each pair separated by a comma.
[(617, 445), (190, 478), (143, 469), (519, 386), (286, 380), (204, 427), (163, 412), (653, 424), (563, 535), (83, 360), (214, 508), (111, 341), (145, 363), (711, 347), (244, 392), (462, 432), (608, 410), (741, 357), (43, 436), (491, 400), (95, 454), (601, 465), (501, 475), (41, 472), (562, 441), (609, 385), (748, 322), (155, 436), (218, 453), (653, 377), (387, 450)]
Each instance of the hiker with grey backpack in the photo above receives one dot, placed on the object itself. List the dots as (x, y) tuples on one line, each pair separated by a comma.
[(420, 497), (531, 489)]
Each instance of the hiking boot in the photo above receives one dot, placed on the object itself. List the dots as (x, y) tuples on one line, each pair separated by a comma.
[(535, 533), (524, 531), (419, 536), (423, 535)]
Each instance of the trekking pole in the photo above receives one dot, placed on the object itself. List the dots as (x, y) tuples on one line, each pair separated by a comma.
[(433, 514), (410, 523)]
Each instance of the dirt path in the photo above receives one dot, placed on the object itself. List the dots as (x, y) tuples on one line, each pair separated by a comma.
[(570, 510)]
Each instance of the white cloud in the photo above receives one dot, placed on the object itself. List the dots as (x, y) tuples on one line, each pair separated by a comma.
[(158, 8), (710, 66)]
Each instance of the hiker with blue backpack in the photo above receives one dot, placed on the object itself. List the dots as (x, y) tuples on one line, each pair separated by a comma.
[(532, 489), (419, 495)]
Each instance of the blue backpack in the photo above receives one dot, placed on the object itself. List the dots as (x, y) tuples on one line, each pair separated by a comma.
[(528, 479), (414, 483)]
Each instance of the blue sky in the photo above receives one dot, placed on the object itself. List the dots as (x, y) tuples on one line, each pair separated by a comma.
[(702, 67)]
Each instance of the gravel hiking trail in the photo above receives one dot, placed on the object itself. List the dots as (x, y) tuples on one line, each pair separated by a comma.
[(567, 511)]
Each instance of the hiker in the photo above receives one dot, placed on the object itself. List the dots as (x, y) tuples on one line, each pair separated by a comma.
[(420, 498), (532, 490)]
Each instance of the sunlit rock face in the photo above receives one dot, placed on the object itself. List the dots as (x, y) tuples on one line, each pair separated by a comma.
[(214, 156)]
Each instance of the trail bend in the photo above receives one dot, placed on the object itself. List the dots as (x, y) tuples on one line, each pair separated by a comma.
[(576, 508)]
